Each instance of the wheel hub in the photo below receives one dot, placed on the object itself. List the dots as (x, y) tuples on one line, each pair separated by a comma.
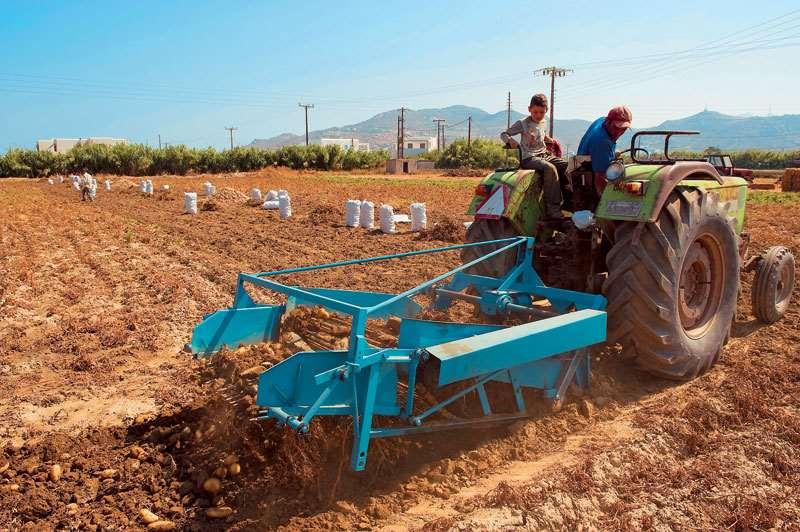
[(784, 289), (700, 286)]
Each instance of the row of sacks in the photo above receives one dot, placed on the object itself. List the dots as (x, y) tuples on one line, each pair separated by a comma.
[(361, 213), (146, 187), (274, 199)]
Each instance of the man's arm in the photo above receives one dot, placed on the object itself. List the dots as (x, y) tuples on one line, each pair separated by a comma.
[(515, 129), (602, 153)]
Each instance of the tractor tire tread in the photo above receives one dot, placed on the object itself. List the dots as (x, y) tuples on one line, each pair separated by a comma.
[(641, 288)]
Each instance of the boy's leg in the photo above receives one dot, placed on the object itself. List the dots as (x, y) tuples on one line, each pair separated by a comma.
[(550, 185), (560, 164)]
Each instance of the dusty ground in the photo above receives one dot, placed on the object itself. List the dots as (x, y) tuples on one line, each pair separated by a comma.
[(102, 415)]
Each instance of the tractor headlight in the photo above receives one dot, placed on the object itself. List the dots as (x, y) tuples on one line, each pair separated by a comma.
[(616, 170)]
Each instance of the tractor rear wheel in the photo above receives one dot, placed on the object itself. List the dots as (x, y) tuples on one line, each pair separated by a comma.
[(484, 229), (672, 286)]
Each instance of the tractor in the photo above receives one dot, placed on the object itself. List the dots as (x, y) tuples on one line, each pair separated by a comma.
[(664, 242), (652, 262), (725, 165)]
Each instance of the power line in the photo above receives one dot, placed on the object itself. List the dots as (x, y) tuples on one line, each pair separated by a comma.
[(722, 46), (306, 107), (729, 36), (217, 95), (656, 71)]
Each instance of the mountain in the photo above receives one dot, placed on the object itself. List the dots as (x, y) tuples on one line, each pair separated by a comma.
[(724, 131), (381, 129), (735, 132)]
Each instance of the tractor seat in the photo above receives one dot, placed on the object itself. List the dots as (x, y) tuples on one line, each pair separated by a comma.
[(578, 162)]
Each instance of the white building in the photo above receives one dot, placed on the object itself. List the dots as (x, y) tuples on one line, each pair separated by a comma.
[(416, 145), (64, 145), (348, 144)]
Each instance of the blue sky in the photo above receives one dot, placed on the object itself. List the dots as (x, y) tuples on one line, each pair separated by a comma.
[(188, 69)]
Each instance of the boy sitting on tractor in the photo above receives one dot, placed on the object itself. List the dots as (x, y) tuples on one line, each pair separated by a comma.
[(534, 155)]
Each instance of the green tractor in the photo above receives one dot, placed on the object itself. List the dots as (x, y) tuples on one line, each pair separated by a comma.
[(663, 242)]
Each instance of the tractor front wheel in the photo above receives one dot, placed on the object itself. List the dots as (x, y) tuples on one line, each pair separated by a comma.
[(672, 286), (773, 284)]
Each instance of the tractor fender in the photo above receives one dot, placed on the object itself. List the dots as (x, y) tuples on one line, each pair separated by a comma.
[(512, 194), (617, 204), (671, 176)]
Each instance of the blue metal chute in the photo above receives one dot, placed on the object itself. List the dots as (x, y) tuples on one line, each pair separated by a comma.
[(292, 385), (364, 381), (234, 327)]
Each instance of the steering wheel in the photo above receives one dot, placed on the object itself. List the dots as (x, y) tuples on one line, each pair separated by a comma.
[(633, 152)]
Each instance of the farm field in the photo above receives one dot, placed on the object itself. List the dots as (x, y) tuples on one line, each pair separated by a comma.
[(103, 415)]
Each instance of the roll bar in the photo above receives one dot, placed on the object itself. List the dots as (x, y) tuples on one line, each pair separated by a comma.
[(667, 134)]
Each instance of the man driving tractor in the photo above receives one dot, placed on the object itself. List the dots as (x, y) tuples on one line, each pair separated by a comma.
[(600, 142)]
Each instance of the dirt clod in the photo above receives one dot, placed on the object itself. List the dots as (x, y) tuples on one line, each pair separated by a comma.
[(162, 526), (147, 516), (219, 512), (212, 485)]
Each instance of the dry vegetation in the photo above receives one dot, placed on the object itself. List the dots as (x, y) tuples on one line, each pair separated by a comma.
[(104, 416)]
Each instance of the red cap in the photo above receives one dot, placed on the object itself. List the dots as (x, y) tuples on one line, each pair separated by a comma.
[(620, 116)]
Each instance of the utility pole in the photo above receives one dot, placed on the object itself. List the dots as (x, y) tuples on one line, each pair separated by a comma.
[(401, 133), (306, 106), (469, 131), (231, 130), (444, 140), (553, 72), (508, 112), (159, 141), (399, 140), (438, 132)]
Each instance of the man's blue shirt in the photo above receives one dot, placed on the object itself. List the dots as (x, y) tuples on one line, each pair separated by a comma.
[(597, 144)]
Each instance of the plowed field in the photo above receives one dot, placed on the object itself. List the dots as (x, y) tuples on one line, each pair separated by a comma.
[(102, 415)]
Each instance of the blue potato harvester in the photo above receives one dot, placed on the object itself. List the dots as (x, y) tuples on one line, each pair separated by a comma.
[(376, 386)]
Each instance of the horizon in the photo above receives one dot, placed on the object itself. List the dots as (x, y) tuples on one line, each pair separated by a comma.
[(218, 67)]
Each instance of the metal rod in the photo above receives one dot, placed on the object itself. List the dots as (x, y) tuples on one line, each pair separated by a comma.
[(435, 408), (539, 313), (450, 425), (459, 295), (517, 239), (426, 284), (335, 304)]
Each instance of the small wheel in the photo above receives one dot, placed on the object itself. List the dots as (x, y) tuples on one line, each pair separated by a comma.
[(773, 284)]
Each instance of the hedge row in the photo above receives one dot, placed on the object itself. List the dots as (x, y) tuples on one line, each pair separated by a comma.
[(138, 159), (482, 153)]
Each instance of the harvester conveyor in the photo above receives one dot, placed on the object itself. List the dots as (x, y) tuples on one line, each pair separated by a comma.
[(372, 384)]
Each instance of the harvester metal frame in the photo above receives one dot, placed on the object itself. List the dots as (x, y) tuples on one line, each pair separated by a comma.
[(364, 381)]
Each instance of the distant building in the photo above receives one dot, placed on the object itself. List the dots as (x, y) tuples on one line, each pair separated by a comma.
[(401, 166), (348, 144), (416, 145), (64, 145)]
